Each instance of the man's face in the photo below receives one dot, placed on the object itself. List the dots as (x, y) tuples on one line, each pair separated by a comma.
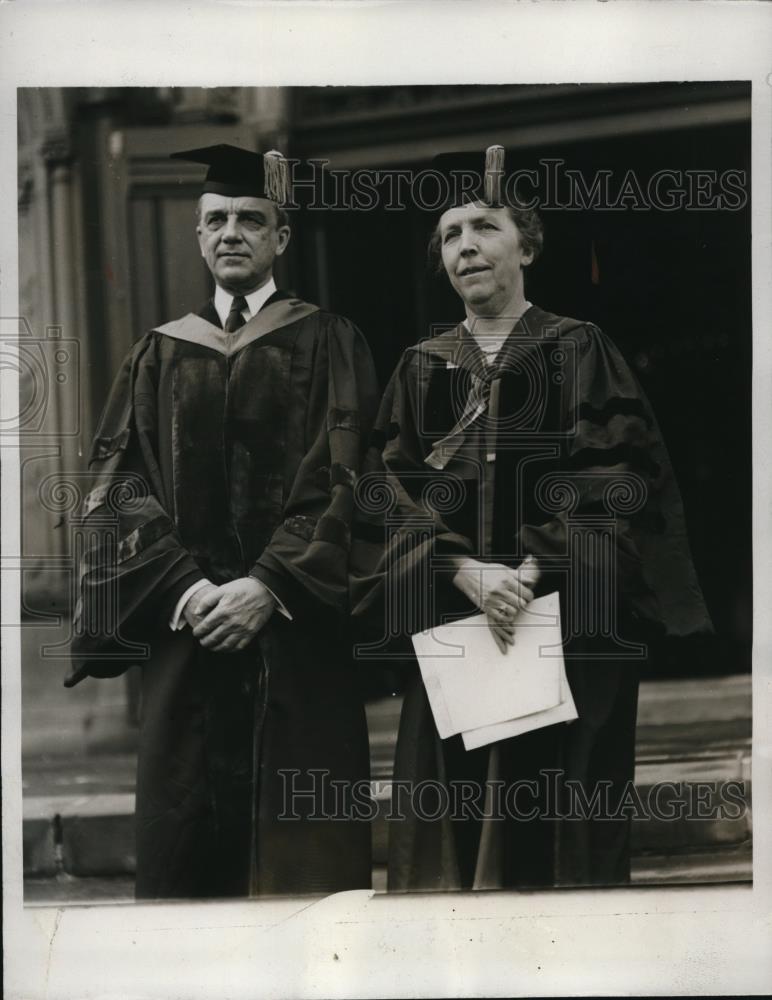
[(483, 256), (240, 240)]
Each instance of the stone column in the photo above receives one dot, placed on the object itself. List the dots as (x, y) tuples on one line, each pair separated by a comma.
[(267, 109), (51, 465)]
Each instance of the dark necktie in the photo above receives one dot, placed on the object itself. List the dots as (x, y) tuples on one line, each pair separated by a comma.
[(234, 320)]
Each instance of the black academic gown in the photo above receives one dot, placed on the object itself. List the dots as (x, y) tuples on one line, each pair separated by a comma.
[(572, 462), (220, 455)]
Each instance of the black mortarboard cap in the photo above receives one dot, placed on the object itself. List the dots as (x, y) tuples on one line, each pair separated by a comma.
[(472, 176), (238, 172)]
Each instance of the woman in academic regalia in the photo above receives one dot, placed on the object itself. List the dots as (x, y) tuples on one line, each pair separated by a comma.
[(523, 458)]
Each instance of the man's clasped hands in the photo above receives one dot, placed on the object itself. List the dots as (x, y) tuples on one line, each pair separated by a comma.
[(227, 618)]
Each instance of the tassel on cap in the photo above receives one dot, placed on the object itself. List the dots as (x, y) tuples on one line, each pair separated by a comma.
[(494, 174), (236, 172), (276, 177)]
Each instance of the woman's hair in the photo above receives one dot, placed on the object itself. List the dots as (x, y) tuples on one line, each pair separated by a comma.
[(529, 226)]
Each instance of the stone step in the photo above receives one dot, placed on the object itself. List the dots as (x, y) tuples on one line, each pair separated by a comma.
[(93, 717), (69, 890), (91, 833), (78, 813), (79, 835), (725, 865), (733, 863)]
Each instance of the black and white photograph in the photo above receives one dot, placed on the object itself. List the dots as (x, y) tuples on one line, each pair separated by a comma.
[(385, 482), (251, 505)]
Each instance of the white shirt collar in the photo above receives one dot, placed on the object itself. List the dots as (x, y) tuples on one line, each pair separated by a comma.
[(491, 346), (255, 301)]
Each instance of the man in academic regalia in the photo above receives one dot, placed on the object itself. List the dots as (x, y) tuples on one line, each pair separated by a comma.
[(522, 457), (218, 551)]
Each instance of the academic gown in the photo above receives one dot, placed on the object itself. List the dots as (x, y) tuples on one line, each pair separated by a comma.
[(221, 455), (571, 465)]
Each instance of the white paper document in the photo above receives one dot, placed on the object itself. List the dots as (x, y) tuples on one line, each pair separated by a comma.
[(476, 690), (564, 712)]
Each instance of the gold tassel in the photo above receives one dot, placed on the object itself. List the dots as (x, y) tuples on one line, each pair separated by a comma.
[(494, 174), (276, 177)]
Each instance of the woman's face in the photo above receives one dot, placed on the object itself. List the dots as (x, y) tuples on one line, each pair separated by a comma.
[(483, 256)]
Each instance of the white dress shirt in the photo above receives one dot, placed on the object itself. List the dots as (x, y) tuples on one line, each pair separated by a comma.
[(222, 304), (255, 301)]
